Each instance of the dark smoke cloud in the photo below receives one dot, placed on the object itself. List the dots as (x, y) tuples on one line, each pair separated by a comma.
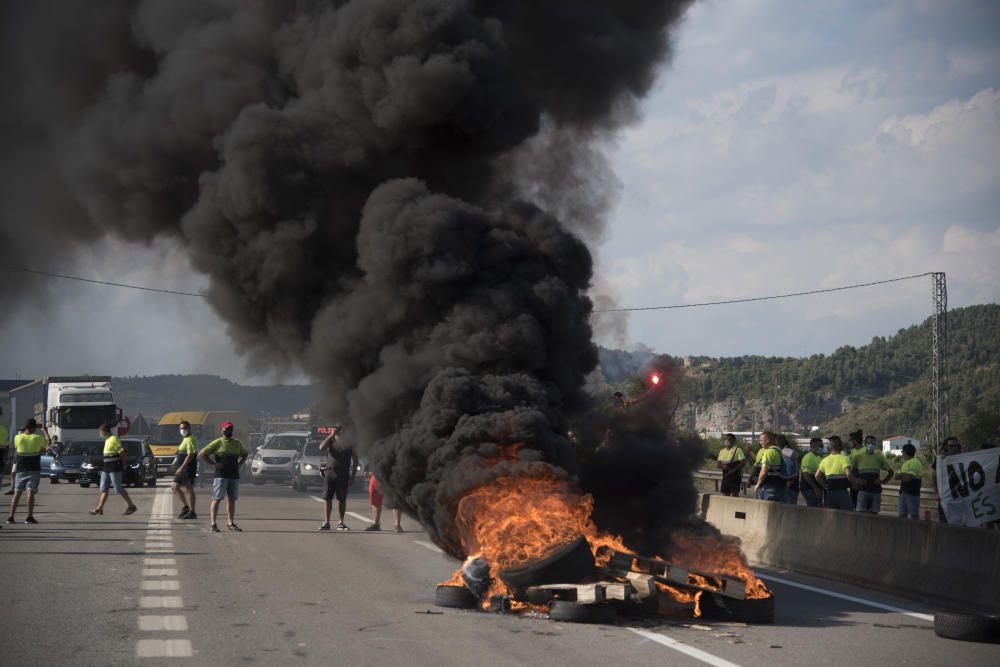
[(373, 188)]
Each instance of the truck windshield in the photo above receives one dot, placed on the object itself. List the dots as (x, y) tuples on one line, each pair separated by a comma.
[(170, 434), (86, 416)]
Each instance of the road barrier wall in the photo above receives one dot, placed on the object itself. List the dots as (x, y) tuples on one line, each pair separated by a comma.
[(932, 562)]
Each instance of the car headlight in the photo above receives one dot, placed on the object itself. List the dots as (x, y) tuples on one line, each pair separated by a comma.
[(134, 466), (309, 466)]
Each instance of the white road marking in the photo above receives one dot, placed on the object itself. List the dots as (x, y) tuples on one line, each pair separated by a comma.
[(428, 545), (164, 648), (358, 516), (681, 647), (158, 585), (160, 572), (158, 562), (157, 532), (317, 499), (163, 623), (850, 598), (161, 602)]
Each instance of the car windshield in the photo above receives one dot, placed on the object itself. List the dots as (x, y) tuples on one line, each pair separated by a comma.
[(312, 449), (83, 448), (285, 442), (133, 448)]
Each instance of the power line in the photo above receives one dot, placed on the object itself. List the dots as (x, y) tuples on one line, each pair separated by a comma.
[(763, 298), (98, 282)]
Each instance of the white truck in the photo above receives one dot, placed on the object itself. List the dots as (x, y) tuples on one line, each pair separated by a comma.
[(71, 407)]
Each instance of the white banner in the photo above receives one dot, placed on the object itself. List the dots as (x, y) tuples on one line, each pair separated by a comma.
[(969, 486)]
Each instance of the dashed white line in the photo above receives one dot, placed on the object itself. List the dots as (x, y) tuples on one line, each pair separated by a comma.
[(681, 647), (822, 591), (159, 585), (164, 648), (160, 572), (428, 545), (358, 516), (163, 623), (161, 602), (317, 499), (158, 562)]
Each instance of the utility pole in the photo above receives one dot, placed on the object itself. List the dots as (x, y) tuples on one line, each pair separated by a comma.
[(939, 358), (777, 385)]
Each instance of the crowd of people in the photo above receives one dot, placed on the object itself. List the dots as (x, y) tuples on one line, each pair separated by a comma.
[(845, 476)]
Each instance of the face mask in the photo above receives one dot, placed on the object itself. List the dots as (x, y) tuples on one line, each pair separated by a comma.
[(228, 433), (184, 432)]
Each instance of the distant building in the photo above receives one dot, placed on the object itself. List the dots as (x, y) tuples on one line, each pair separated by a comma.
[(895, 443)]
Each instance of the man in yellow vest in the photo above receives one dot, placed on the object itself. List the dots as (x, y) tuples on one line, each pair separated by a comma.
[(835, 475), (868, 467), (770, 483), (731, 461), (229, 455), (114, 469), (812, 492), (28, 447), (4, 446), (911, 475)]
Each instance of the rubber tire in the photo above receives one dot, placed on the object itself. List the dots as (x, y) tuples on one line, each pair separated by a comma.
[(757, 611), (569, 564), (53, 480), (571, 612), (455, 597), (968, 627), (645, 607)]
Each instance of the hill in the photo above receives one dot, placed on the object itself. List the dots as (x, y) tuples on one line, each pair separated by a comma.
[(882, 387)]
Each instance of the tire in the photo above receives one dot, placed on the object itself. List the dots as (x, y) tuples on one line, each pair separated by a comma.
[(646, 607), (53, 480), (717, 607), (571, 612), (968, 627), (455, 597), (568, 564)]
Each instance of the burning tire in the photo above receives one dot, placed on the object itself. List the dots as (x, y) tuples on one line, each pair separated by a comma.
[(718, 607), (571, 612), (968, 627), (455, 597), (568, 564), (647, 607)]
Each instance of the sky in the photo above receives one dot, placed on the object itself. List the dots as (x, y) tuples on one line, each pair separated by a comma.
[(787, 147)]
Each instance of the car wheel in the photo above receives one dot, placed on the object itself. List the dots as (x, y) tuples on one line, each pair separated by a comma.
[(968, 627), (455, 597), (53, 480), (718, 607), (566, 565), (571, 612)]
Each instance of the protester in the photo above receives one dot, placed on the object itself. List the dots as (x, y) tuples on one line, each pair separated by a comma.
[(114, 468), (376, 499), (229, 454), (13, 467), (911, 474), (755, 470), (868, 466), (812, 492), (28, 447), (835, 476), (770, 485), (731, 461), (4, 447), (854, 447), (951, 447), (789, 469), (341, 467), (186, 464)]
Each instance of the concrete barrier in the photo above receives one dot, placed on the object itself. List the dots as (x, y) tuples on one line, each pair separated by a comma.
[(932, 562)]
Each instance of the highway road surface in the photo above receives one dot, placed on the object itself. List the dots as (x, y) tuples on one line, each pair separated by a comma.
[(150, 589)]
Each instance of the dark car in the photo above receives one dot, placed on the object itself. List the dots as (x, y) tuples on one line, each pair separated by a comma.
[(140, 464), (68, 464)]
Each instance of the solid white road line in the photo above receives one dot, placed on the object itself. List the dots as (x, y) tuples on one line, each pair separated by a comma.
[(163, 623), (428, 545), (850, 598), (161, 602), (680, 647), (160, 572), (164, 648), (358, 516), (158, 585)]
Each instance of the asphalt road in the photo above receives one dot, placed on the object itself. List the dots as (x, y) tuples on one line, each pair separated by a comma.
[(129, 590)]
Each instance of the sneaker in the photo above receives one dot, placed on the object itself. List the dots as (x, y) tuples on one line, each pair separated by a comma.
[(373, 528), (233, 526), (215, 528), (131, 510), (184, 511), (97, 512), (10, 519), (31, 519), (190, 515), (324, 526), (342, 526), (399, 529)]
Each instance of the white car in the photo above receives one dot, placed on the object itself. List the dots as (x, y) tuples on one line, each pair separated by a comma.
[(273, 460)]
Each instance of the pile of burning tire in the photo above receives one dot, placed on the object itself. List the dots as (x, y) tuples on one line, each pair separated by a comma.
[(571, 586)]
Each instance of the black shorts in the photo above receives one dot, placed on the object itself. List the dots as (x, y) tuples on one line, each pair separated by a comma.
[(184, 479), (336, 487)]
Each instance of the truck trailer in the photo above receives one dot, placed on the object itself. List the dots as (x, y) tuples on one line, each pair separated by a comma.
[(70, 407)]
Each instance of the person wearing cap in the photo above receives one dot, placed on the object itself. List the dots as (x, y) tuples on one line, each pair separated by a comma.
[(911, 474), (341, 467), (835, 476), (229, 454), (114, 469), (868, 465), (28, 447), (731, 461), (770, 484), (812, 492), (186, 466)]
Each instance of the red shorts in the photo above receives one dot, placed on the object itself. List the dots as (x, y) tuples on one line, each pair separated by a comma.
[(374, 495)]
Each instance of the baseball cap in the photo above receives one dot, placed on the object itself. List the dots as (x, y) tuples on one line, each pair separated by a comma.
[(226, 425)]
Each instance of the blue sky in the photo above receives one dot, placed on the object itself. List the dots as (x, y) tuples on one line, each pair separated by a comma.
[(788, 146)]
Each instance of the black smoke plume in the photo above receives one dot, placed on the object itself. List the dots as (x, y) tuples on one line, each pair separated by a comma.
[(371, 187)]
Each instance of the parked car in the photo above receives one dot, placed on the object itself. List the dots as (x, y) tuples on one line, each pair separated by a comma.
[(273, 461), (68, 464), (307, 465), (140, 464)]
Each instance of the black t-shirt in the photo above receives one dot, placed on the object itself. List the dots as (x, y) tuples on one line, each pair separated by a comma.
[(339, 459)]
